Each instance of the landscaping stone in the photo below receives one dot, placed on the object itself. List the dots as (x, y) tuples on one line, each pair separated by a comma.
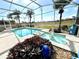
[(31, 49)]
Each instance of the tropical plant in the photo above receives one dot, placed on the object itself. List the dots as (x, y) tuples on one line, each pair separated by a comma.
[(2, 29), (30, 13), (17, 15), (9, 16), (65, 27), (12, 22)]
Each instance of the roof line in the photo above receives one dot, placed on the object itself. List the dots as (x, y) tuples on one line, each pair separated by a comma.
[(16, 4), (36, 3)]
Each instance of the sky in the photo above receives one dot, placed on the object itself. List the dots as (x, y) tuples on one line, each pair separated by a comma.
[(69, 10)]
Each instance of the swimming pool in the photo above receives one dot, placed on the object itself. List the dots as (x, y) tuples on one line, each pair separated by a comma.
[(25, 31), (61, 39)]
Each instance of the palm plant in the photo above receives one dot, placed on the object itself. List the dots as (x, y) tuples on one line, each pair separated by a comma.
[(17, 15), (30, 13), (9, 16)]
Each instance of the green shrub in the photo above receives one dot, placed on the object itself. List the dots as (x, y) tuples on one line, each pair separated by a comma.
[(1, 29), (65, 27)]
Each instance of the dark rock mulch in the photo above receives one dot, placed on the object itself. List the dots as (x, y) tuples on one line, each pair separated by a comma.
[(31, 49)]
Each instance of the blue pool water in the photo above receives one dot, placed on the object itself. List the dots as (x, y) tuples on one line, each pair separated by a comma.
[(55, 37), (50, 36), (24, 32)]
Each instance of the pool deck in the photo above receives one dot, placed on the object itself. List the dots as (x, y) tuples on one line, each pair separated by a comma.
[(72, 45), (8, 40)]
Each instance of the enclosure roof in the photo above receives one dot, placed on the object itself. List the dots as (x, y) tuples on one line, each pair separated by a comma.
[(46, 6)]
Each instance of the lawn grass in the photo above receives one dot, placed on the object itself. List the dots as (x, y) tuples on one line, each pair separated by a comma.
[(48, 25)]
